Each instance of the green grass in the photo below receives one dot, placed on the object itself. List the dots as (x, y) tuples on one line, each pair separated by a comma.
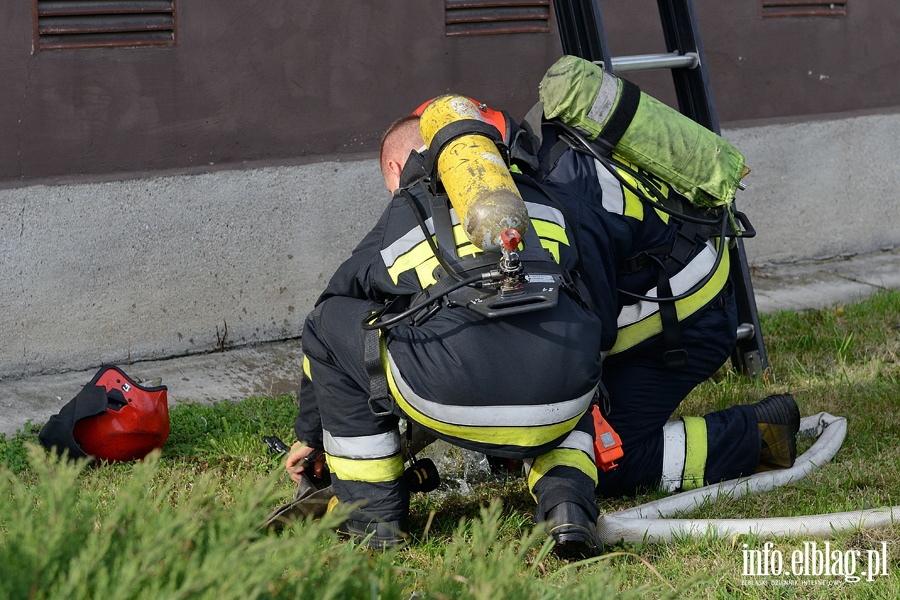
[(184, 523)]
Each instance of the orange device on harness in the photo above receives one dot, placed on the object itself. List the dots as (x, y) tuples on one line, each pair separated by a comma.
[(607, 443)]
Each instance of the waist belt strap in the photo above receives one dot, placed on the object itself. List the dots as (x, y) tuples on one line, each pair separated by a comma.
[(674, 355), (381, 403)]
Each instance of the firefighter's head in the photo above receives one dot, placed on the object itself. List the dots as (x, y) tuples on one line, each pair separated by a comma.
[(401, 138)]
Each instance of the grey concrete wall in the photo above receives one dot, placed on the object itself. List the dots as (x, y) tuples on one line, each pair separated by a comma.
[(821, 189), (149, 268)]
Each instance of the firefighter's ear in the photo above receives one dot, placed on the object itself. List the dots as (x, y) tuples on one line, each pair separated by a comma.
[(392, 179)]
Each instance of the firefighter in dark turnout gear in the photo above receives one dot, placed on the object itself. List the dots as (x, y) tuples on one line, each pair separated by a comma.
[(634, 251), (518, 386)]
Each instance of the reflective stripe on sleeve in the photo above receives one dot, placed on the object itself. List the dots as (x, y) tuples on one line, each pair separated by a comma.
[(545, 213), (401, 246)]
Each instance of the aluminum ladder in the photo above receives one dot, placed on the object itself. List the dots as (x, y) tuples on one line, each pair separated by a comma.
[(582, 34)]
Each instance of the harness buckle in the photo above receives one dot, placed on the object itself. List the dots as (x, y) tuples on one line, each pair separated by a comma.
[(675, 359), (374, 402)]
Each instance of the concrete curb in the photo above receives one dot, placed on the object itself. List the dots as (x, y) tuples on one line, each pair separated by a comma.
[(274, 368)]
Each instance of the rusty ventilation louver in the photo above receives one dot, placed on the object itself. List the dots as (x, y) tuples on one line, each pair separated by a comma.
[(64, 24), (485, 17), (802, 8)]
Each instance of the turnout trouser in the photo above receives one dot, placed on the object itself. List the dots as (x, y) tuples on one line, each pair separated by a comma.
[(363, 448), (644, 392)]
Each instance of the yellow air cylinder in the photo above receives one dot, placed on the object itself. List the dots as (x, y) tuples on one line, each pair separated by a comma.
[(475, 177)]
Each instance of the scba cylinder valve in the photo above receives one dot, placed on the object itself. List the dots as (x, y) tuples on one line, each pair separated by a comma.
[(511, 268)]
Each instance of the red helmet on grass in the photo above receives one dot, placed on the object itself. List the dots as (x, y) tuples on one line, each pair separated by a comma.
[(113, 418)]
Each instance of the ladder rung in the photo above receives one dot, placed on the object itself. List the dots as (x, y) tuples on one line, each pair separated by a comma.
[(745, 331), (649, 62)]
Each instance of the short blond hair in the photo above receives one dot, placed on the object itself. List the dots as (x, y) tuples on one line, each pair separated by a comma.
[(400, 138)]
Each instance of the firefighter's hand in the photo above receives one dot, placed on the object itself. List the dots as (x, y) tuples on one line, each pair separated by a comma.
[(297, 462)]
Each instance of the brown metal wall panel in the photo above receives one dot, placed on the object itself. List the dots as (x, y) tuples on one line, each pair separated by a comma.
[(104, 23), (764, 68), (308, 81), (101, 7), (248, 81)]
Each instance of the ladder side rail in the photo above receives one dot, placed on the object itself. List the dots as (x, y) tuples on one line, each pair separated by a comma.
[(581, 29), (695, 99)]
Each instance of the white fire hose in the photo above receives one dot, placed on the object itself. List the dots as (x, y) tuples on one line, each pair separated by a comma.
[(650, 522)]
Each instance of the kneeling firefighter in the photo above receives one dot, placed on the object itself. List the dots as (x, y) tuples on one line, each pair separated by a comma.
[(460, 312), (651, 192)]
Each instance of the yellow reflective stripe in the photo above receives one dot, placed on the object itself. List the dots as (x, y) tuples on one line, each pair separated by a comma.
[(425, 272), (468, 249), (632, 335), (634, 208), (306, 370), (410, 260), (552, 248), (422, 259), (459, 235), (372, 471), (696, 449), (550, 231), (525, 437), (633, 205), (663, 216), (564, 457)]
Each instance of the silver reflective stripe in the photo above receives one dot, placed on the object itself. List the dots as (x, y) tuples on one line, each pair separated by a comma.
[(492, 416), (696, 270), (410, 240), (579, 440), (545, 213), (611, 189), (674, 444), (367, 447), (605, 101)]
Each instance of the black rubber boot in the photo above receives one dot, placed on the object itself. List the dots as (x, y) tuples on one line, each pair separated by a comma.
[(575, 533), (378, 535), (778, 418)]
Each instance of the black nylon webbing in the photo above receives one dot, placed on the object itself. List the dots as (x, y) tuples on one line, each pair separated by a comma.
[(674, 354), (379, 396), (622, 115), (450, 132)]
